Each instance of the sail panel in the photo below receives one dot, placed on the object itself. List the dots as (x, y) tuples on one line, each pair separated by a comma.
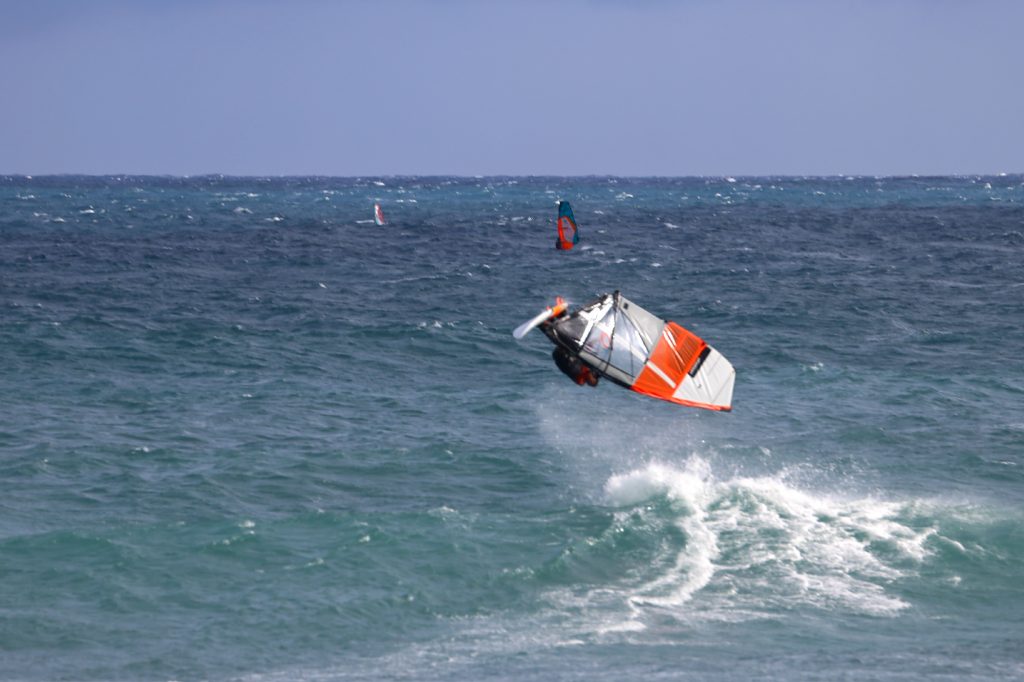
[(684, 369), (676, 351), (615, 342), (568, 233), (709, 385), (649, 325)]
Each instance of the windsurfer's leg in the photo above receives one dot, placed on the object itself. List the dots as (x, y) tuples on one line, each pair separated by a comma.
[(570, 365)]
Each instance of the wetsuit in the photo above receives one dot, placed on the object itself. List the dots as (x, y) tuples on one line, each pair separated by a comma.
[(573, 367)]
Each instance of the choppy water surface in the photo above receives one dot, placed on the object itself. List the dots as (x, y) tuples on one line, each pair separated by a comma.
[(248, 435)]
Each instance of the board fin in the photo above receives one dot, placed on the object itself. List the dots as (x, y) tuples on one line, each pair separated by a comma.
[(552, 311)]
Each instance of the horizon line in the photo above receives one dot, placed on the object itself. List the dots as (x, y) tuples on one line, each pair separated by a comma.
[(477, 176)]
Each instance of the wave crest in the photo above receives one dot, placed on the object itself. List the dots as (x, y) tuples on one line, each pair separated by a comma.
[(748, 547)]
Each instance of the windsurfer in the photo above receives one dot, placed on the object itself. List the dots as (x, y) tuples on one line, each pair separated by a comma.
[(573, 367)]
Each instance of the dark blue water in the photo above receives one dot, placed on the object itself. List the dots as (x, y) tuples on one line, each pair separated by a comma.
[(248, 435)]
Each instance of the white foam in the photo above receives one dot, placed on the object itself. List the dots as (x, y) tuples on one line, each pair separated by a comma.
[(710, 542), (783, 544), (693, 566)]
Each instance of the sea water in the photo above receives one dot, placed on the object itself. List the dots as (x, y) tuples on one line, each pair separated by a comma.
[(246, 434)]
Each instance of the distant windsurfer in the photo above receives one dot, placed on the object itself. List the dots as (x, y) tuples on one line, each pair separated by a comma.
[(574, 368), (568, 233)]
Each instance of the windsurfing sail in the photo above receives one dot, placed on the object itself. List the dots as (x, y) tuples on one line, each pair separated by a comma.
[(568, 233), (378, 215), (638, 350)]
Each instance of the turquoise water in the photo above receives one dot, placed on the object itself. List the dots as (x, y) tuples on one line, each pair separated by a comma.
[(248, 435)]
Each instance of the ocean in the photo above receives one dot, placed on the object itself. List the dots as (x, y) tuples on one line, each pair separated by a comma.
[(247, 435)]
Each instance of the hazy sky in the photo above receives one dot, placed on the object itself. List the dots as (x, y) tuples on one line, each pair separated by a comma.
[(479, 87)]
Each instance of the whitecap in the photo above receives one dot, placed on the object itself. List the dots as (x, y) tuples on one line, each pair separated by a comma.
[(783, 544)]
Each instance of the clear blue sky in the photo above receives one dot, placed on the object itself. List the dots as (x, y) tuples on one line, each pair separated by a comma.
[(467, 87)]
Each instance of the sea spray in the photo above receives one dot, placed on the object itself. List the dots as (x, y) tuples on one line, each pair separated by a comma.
[(767, 540)]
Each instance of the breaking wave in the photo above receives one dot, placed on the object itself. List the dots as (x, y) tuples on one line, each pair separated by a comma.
[(685, 545), (762, 532)]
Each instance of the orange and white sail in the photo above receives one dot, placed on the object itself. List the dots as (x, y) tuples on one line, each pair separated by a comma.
[(641, 352), (378, 215)]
